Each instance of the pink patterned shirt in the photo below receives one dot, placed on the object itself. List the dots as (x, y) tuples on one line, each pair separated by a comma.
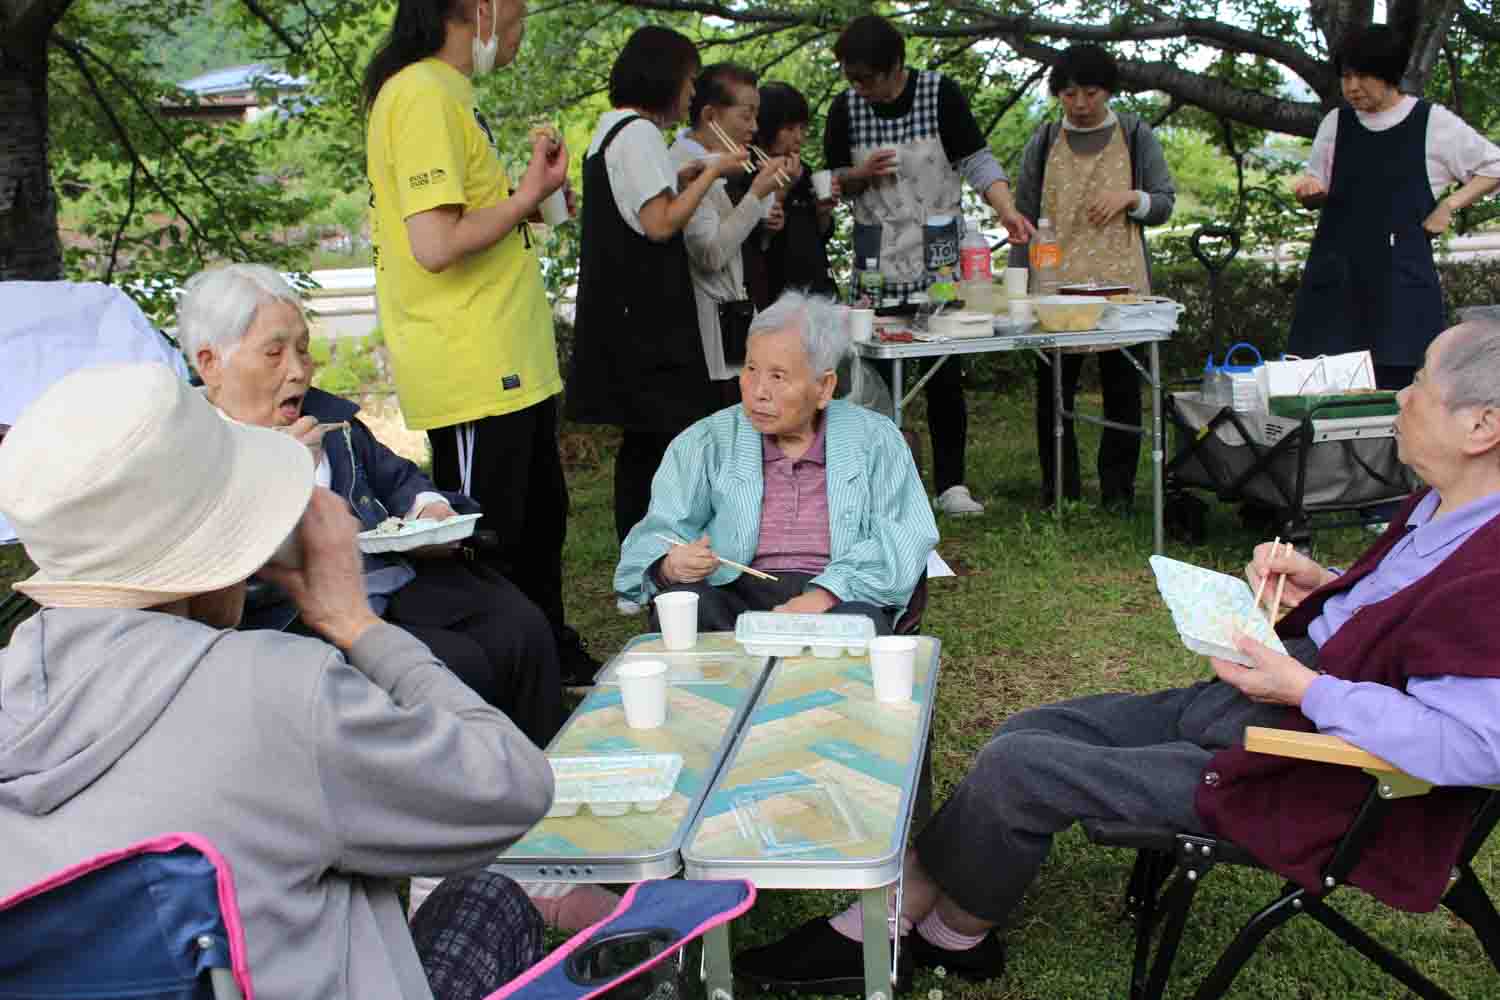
[(794, 532)]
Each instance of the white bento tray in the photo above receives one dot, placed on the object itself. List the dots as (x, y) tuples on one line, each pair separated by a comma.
[(612, 784), (774, 633), (1208, 607), (416, 534)]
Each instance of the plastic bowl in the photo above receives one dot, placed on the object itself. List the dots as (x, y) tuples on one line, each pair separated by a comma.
[(1068, 313)]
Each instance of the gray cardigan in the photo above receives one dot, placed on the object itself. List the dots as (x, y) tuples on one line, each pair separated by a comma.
[(320, 778), (1148, 173)]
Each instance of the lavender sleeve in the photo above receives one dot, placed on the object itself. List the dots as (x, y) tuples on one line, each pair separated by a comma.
[(1443, 729)]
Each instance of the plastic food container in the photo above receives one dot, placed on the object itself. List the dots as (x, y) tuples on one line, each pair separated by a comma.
[(416, 534), (1068, 313), (612, 784), (772, 633), (794, 815)]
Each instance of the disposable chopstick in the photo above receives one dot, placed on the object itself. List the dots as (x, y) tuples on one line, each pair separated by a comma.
[(729, 144), (765, 158), (1260, 587), (727, 562)]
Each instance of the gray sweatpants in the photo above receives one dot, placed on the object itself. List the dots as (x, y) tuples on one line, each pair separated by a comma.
[(1128, 758)]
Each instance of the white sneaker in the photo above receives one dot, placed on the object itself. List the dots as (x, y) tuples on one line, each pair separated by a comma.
[(627, 607), (956, 501)]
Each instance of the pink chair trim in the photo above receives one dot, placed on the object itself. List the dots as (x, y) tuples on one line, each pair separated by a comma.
[(228, 902), (582, 937)]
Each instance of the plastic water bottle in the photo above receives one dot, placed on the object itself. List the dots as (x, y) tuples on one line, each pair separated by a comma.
[(871, 285), (974, 255), (1046, 258)]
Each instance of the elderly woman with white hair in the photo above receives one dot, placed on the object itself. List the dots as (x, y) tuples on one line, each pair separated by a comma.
[(244, 331), (818, 492)]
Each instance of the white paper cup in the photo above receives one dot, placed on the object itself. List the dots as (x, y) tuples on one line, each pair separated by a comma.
[(678, 613), (555, 208), (822, 182), (1022, 312), (643, 691), (893, 664), (1015, 281), (862, 325)]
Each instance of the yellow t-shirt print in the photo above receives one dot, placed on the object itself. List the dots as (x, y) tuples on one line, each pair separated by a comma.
[(475, 340)]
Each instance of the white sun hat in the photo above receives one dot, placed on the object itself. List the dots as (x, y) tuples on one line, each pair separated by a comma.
[(128, 490)]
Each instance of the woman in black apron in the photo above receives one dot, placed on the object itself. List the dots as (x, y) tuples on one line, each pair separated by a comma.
[(1370, 281), (637, 355)]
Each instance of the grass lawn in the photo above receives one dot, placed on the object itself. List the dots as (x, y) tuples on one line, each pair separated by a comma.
[(1044, 610), (1041, 611)]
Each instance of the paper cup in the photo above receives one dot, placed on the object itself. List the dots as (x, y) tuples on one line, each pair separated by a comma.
[(678, 613), (555, 208), (862, 325), (822, 183), (893, 664), (1015, 281), (643, 691)]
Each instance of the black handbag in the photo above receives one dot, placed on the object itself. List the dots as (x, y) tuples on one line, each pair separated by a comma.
[(734, 328)]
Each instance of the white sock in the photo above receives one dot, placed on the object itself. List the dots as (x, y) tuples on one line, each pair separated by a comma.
[(421, 888), (935, 932)]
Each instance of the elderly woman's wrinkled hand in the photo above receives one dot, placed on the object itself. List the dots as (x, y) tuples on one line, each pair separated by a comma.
[(1303, 575), (1275, 678), (690, 563), (308, 431), (329, 587)]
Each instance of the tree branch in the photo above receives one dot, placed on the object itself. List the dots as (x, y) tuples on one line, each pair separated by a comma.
[(114, 244), (328, 42), (274, 26), (1014, 99), (75, 55), (29, 21)]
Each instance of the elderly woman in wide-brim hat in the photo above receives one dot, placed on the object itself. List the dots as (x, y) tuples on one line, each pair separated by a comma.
[(820, 493), (244, 331), (130, 706)]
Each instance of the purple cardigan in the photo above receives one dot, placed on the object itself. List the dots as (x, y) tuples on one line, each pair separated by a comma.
[(1290, 814)]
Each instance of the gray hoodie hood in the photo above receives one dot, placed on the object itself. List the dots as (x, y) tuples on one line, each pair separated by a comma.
[(73, 701)]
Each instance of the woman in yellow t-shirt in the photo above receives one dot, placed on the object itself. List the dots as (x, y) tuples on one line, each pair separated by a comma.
[(462, 306)]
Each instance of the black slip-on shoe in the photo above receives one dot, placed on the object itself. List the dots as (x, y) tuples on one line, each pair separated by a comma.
[(574, 663), (814, 958), (986, 960)]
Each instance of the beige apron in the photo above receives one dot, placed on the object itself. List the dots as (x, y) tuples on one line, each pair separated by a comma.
[(1109, 254)]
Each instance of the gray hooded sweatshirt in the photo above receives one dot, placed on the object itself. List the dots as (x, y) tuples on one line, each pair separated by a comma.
[(319, 778)]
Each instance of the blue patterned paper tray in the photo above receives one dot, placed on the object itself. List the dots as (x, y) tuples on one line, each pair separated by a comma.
[(1208, 607)]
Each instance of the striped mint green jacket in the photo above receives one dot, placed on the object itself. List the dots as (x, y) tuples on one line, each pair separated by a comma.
[(881, 527)]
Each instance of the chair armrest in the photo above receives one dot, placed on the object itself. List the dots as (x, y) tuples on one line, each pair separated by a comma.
[(1312, 746)]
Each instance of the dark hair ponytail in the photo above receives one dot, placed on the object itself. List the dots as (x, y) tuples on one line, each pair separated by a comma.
[(419, 30)]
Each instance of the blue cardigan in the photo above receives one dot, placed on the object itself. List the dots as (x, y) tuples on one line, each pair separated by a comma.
[(710, 482)]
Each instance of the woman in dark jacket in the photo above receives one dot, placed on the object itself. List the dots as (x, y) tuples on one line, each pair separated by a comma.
[(791, 252), (243, 328)]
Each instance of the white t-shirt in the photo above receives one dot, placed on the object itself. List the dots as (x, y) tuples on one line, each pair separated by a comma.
[(638, 164), (1456, 154)]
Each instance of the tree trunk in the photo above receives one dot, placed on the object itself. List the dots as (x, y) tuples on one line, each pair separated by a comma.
[(29, 245)]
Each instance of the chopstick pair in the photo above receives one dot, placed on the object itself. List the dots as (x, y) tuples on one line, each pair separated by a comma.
[(727, 562), (781, 178), (1280, 585)]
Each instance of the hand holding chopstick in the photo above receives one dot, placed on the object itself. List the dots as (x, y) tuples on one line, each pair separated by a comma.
[(1261, 586), (727, 562), (781, 178)]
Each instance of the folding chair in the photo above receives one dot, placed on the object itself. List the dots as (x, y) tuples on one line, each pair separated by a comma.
[(154, 921), (1162, 852)]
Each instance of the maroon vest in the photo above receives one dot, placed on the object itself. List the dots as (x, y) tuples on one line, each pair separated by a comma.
[(1291, 814)]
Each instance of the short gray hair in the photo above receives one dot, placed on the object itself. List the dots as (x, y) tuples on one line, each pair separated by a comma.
[(822, 324), (217, 306), (1468, 369)]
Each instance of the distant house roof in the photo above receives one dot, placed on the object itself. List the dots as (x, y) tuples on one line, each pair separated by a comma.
[(241, 79)]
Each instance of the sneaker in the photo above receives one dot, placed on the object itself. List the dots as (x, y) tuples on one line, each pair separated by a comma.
[(986, 960), (956, 501), (627, 607), (573, 660), (814, 958)]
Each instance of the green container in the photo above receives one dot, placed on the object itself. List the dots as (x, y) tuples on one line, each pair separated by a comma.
[(1356, 404)]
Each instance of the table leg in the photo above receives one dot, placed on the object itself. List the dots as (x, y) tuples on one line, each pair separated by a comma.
[(1158, 454), (718, 975), (877, 945), (1057, 432)]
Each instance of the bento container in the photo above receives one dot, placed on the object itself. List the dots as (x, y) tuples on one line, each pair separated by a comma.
[(791, 814), (772, 633), (612, 784), (418, 534)]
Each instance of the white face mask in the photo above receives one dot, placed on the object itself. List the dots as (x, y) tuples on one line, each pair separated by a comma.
[(484, 53)]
